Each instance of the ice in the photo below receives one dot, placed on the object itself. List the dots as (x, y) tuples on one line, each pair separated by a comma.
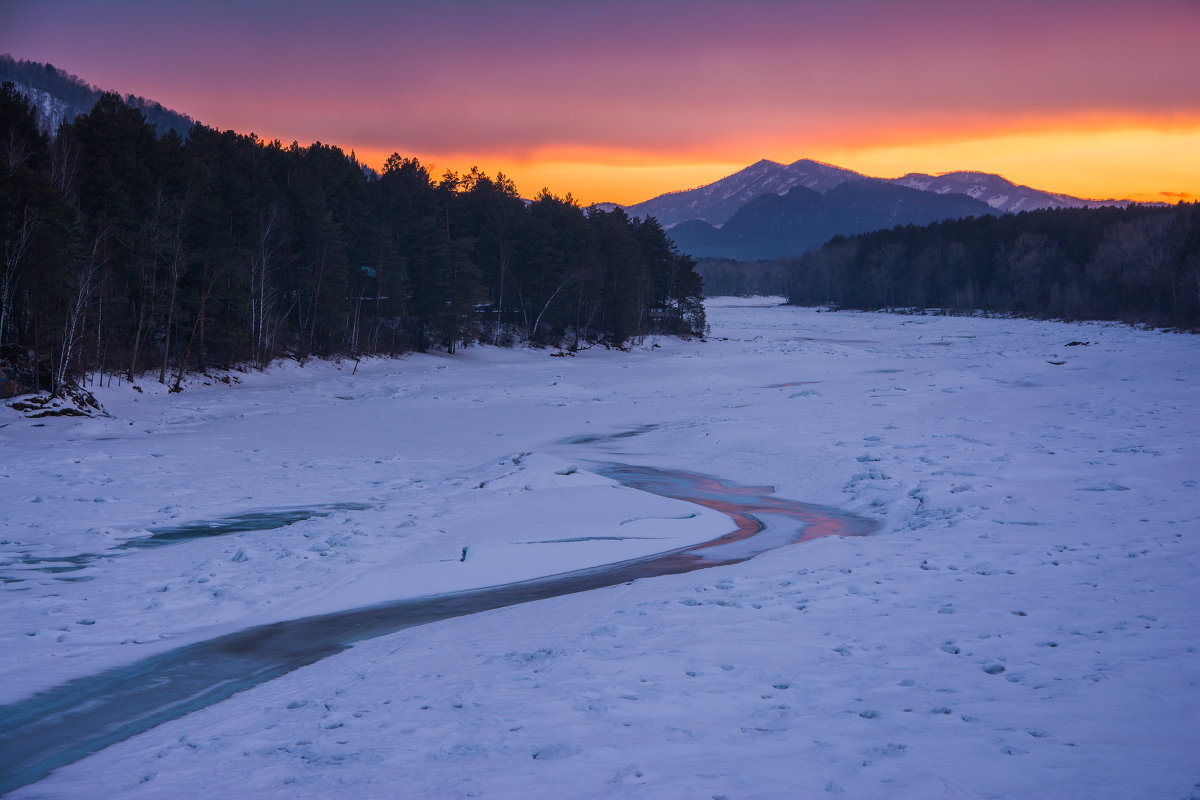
[(1022, 624)]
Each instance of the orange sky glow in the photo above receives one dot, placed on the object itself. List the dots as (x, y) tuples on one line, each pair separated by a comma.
[(1123, 161), (622, 101)]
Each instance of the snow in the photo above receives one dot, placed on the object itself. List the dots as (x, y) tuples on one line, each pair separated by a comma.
[(998, 192), (1022, 625), (52, 111)]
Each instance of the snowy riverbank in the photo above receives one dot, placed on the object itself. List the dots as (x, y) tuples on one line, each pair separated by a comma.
[(1021, 626)]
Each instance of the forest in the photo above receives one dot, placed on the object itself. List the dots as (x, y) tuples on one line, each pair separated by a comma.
[(1139, 265), (128, 253)]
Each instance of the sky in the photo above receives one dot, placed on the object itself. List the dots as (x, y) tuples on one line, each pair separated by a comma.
[(622, 101)]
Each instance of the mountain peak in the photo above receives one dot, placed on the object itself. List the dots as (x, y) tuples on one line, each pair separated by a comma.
[(717, 202), (964, 174), (810, 163)]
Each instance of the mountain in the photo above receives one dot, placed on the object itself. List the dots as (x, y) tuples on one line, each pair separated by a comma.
[(779, 226), (770, 210), (999, 193), (59, 96), (717, 202)]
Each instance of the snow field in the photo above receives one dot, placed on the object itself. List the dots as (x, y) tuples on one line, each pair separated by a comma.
[(1023, 625)]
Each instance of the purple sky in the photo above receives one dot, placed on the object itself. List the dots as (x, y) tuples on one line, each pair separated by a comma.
[(622, 101)]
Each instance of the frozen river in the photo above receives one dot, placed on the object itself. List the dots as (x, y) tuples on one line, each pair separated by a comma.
[(1020, 623)]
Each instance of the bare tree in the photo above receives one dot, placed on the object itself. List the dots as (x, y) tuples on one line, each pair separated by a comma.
[(178, 267), (537, 322), (262, 296), (15, 252), (77, 311), (148, 278), (64, 166)]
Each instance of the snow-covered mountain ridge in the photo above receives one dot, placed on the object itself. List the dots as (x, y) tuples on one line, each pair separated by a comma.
[(997, 191), (717, 202)]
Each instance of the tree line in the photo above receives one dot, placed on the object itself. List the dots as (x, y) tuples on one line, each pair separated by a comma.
[(1139, 265), (128, 253), (727, 276)]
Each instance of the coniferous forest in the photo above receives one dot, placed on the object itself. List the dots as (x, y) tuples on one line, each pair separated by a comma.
[(127, 253), (1139, 265)]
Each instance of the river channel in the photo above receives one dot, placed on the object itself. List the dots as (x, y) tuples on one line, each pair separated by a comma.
[(62, 725)]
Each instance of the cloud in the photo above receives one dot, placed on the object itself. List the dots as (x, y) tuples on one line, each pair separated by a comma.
[(669, 82)]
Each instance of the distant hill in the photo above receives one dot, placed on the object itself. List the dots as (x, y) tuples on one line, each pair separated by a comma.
[(780, 226), (60, 97)]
